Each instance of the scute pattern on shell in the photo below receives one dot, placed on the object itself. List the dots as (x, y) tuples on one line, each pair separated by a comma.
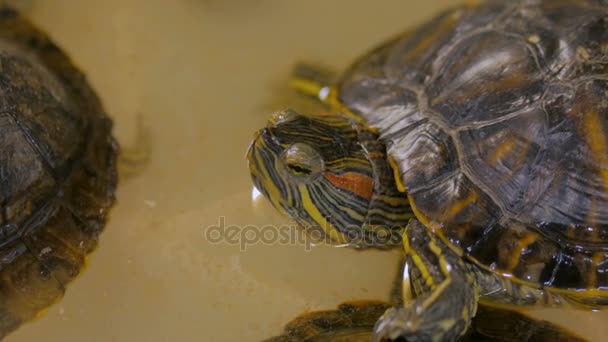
[(496, 114), (57, 171)]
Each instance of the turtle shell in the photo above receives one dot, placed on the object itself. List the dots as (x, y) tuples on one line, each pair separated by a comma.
[(354, 321), (57, 170), (495, 116)]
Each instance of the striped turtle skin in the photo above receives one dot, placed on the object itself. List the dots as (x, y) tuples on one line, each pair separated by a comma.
[(492, 120), (329, 188), (57, 171)]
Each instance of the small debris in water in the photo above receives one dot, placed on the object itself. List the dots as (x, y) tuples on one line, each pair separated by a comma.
[(45, 250), (61, 310), (150, 203)]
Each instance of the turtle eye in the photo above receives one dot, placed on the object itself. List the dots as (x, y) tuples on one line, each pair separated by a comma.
[(298, 170), (302, 160)]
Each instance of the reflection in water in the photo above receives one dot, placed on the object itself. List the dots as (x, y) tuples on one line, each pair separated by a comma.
[(255, 194), (204, 79)]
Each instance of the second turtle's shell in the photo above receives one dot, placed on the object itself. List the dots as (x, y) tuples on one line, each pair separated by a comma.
[(57, 170)]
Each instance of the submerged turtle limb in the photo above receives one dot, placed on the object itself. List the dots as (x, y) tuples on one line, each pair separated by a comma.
[(312, 80), (445, 291), (496, 290), (318, 82), (133, 159)]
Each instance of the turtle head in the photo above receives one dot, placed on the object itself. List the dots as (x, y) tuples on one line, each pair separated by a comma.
[(331, 176)]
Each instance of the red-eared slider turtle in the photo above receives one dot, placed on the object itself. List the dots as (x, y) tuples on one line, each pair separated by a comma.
[(57, 170), (488, 126)]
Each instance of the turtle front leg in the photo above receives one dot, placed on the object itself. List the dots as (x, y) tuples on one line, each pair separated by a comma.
[(445, 292), (312, 80)]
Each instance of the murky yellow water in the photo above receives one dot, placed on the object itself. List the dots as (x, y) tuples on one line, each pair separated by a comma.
[(204, 75)]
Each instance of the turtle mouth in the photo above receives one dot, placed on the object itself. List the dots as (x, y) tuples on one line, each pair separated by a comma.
[(259, 148), (254, 157), (261, 156)]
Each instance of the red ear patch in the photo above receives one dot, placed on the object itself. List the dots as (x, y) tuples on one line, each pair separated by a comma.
[(360, 185)]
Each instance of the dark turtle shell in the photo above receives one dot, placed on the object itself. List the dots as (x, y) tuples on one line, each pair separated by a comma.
[(354, 321), (496, 116), (350, 322), (57, 170)]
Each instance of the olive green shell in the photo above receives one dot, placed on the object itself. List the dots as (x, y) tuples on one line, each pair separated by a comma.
[(496, 116), (354, 322), (57, 170)]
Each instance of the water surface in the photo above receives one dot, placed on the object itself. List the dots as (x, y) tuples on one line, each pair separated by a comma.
[(203, 76)]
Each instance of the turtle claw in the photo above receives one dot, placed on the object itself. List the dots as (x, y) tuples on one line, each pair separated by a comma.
[(391, 325)]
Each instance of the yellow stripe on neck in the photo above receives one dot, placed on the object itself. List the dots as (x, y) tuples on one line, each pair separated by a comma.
[(313, 211)]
